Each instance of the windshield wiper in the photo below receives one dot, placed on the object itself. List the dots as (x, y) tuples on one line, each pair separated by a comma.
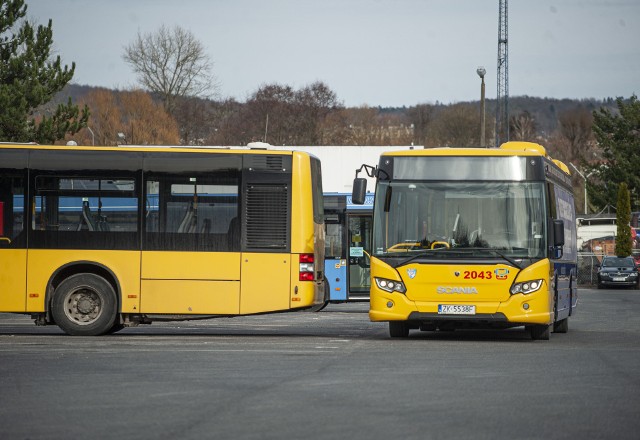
[(450, 251), (509, 259), (421, 254)]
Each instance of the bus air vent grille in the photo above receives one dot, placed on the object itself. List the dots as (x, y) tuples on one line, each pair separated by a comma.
[(266, 163), (266, 214)]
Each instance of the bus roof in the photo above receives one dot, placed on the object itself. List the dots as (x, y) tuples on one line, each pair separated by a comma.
[(506, 149), (149, 148)]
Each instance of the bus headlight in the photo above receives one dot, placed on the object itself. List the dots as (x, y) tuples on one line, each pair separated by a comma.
[(390, 285), (526, 287)]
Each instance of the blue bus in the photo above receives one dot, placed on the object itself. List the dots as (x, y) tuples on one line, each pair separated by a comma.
[(348, 247)]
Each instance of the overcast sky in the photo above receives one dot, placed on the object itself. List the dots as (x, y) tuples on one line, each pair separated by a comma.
[(370, 52)]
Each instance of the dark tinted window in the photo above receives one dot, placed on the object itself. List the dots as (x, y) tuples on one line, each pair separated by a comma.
[(12, 212), (617, 262), (76, 212), (197, 212), (316, 186)]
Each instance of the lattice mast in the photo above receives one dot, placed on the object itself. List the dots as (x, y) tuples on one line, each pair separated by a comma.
[(502, 101)]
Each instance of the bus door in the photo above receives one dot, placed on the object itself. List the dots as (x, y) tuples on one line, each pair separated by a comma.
[(13, 243), (335, 249), (191, 247), (359, 230)]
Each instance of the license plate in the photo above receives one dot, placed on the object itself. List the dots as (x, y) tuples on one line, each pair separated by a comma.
[(446, 309), (619, 279)]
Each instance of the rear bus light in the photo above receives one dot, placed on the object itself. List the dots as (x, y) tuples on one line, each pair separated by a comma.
[(307, 268)]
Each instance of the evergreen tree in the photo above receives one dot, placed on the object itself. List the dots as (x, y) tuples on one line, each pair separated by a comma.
[(623, 217), (618, 136), (29, 78)]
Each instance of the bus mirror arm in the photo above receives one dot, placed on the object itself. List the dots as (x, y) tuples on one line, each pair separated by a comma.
[(371, 171), (359, 191)]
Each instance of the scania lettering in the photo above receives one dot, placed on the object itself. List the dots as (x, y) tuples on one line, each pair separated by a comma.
[(468, 290)]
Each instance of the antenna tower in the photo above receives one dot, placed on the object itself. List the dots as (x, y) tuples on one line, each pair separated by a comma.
[(502, 101)]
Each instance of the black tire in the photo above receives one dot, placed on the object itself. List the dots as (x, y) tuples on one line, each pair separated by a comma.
[(561, 326), (398, 329), (84, 305), (115, 328), (539, 332), (327, 293)]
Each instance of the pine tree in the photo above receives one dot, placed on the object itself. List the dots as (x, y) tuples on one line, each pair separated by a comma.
[(623, 214), (29, 78), (618, 136)]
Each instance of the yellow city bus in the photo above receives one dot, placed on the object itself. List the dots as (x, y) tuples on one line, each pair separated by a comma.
[(95, 239), (472, 237)]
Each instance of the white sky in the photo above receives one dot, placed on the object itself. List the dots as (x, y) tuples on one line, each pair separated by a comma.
[(373, 52)]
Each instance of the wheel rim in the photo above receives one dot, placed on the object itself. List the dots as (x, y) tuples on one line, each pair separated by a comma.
[(83, 306)]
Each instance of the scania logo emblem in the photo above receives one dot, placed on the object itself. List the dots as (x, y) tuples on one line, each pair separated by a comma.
[(412, 273), (456, 273)]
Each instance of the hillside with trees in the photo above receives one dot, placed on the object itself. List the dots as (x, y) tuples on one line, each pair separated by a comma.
[(314, 115)]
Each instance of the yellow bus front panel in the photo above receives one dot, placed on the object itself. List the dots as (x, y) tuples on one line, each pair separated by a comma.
[(13, 279), (488, 296), (124, 265)]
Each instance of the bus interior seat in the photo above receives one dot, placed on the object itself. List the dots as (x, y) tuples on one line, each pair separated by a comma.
[(187, 220), (86, 218), (206, 226)]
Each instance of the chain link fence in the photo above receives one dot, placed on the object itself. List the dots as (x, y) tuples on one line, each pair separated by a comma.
[(588, 263)]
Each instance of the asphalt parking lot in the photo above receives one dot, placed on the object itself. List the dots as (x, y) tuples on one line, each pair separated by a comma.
[(332, 374)]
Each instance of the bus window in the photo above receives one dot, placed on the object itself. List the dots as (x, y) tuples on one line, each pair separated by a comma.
[(191, 213), (11, 212)]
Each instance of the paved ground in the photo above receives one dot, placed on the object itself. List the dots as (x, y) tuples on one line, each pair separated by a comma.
[(325, 375)]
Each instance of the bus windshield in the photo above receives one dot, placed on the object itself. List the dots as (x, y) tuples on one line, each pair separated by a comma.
[(457, 219)]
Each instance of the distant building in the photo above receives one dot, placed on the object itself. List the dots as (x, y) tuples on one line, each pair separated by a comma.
[(595, 227)]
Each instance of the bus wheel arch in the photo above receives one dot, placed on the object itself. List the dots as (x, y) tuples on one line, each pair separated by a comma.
[(84, 304), (98, 279)]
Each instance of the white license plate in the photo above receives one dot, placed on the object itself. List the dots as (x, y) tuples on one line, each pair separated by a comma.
[(619, 279), (445, 309)]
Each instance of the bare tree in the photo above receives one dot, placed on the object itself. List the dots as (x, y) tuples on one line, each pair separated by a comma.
[(575, 128), (457, 126), (523, 127), (171, 63), (421, 116)]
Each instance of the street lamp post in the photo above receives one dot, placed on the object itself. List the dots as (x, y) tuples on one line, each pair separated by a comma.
[(585, 185), (481, 72)]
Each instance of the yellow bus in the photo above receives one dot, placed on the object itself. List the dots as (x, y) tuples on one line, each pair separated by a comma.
[(95, 239), (472, 237)]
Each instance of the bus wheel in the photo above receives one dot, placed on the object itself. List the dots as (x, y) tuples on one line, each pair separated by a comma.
[(561, 326), (84, 305), (539, 332), (398, 329)]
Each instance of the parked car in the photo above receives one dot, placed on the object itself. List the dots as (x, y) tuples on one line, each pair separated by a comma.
[(618, 271)]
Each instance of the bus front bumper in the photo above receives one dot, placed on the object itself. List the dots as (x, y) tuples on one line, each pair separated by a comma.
[(517, 310)]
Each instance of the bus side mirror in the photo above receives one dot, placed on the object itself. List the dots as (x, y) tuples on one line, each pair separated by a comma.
[(558, 233), (359, 191)]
